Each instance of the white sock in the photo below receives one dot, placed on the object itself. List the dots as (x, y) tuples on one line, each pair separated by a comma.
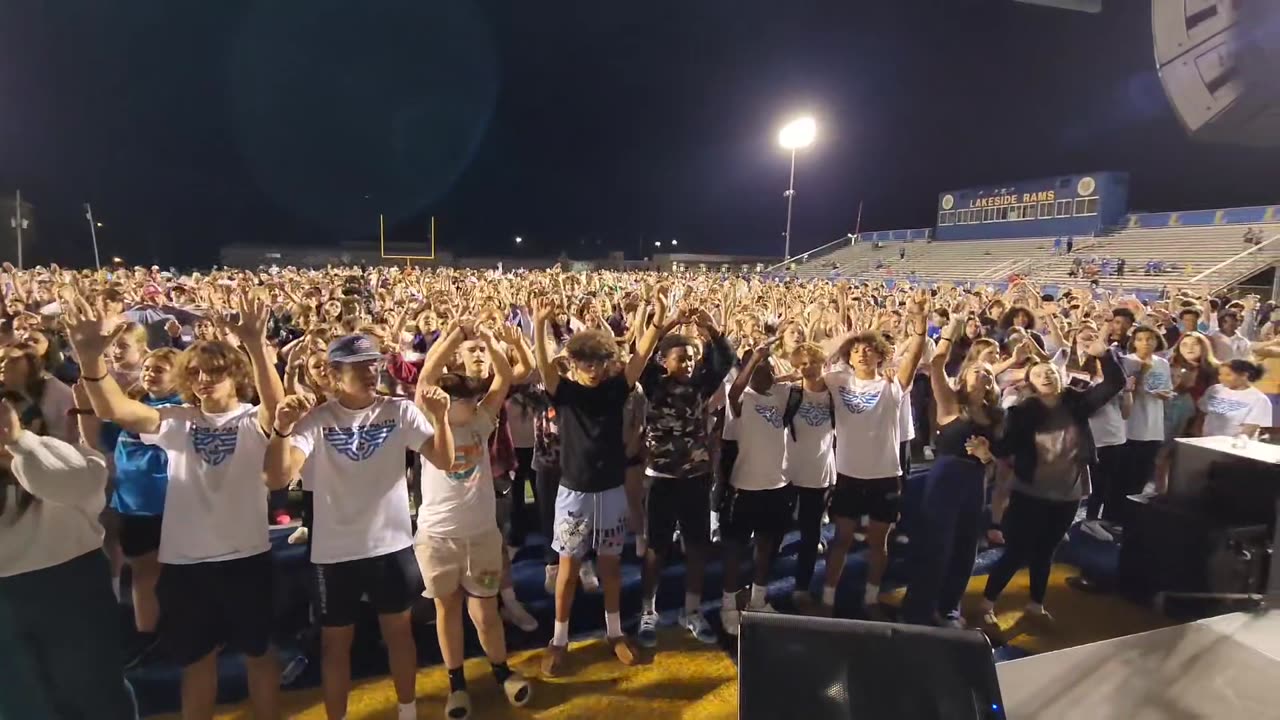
[(871, 595), (757, 595), (828, 596), (730, 601), (508, 595), (560, 636), (1035, 608), (408, 711), (692, 601), (647, 604), (612, 624)]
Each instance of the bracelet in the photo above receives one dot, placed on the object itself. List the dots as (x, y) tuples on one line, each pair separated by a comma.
[(100, 378), (276, 431)]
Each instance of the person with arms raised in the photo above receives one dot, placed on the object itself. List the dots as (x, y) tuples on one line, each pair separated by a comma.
[(215, 586), (362, 534)]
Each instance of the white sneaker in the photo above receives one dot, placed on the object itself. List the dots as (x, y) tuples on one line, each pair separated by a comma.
[(902, 539), (731, 620), (859, 536), (1094, 529), (458, 705), (300, 536), (587, 575), (549, 584), (696, 624), (765, 608), (647, 635), (515, 614)]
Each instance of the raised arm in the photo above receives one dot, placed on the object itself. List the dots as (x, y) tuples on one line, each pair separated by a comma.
[(502, 375), (916, 326), (543, 308), (283, 461), (743, 379), (648, 342), (1113, 379), (434, 403), (440, 353), (524, 366), (90, 333), (251, 329), (945, 398)]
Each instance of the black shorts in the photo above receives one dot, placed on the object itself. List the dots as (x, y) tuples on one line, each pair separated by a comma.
[(766, 512), (139, 534), (211, 604), (880, 499), (391, 581), (683, 501)]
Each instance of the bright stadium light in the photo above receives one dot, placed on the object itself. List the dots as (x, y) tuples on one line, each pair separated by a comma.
[(657, 243), (795, 135), (519, 239), (798, 133), (674, 242)]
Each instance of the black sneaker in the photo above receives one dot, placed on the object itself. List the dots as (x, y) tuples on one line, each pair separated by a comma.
[(140, 650)]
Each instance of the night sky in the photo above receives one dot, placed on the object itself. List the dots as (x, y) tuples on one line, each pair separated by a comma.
[(582, 126)]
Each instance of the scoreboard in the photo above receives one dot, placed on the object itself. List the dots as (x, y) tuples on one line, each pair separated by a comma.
[(1081, 204)]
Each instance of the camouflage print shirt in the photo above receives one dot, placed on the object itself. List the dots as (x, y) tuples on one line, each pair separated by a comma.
[(675, 422)]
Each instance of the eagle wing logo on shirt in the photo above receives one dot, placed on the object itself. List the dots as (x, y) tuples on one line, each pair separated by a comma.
[(1157, 381), (214, 445), (771, 415), (1225, 406), (360, 442), (858, 402), (814, 415)]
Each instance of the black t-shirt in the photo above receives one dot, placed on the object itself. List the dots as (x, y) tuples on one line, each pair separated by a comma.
[(592, 454)]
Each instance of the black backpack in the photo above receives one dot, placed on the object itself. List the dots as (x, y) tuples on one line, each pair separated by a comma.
[(794, 399)]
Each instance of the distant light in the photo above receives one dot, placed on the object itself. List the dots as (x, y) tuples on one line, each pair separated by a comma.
[(657, 243), (99, 224), (519, 239), (798, 133), (674, 242), (116, 260)]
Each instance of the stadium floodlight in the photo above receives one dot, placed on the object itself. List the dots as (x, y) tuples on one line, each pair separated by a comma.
[(657, 243), (795, 135), (519, 239), (674, 242)]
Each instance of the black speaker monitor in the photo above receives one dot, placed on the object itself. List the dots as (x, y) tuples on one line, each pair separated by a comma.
[(799, 668)]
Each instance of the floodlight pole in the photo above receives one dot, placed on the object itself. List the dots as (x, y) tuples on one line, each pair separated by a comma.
[(790, 195)]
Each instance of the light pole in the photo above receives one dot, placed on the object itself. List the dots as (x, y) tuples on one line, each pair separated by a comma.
[(795, 135), (93, 233)]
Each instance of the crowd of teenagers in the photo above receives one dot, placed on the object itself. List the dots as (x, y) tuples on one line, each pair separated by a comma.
[(147, 418)]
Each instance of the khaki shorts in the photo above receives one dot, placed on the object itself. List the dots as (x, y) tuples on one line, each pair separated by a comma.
[(474, 564)]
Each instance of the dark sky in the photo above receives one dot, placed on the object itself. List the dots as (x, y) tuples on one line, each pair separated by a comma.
[(579, 125)]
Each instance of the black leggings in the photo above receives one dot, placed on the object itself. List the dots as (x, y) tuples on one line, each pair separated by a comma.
[(810, 504), (1139, 466), (1105, 478), (546, 487), (1033, 528)]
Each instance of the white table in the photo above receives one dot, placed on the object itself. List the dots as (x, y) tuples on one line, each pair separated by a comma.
[(1220, 669)]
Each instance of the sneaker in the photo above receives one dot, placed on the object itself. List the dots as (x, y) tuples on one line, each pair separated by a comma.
[(300, 536), (647, 635), (458, 706), (902, 539), (731, 620), (587, 574), (954, 622), (623, 650), (1094, 529), (859, 536), (549, 584), (293, 670), (822, 548), (989, 620), (517, 690), (1039, 616), (765, 608), (515, 614), (696, 624), (553, 660)]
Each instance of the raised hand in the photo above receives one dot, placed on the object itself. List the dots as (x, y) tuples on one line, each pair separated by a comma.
[(252, 316), (290, 411), (1096, 345), (433, 401), (978, 447), (89, 330), (543, 310)]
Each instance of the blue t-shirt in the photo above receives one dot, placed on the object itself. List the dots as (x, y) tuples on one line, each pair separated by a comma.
[(142, 470)]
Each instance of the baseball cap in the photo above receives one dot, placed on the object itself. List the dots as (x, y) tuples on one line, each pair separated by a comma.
[(354, 348)]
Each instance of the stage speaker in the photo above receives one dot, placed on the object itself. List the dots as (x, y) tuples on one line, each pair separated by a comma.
[(800, 668), (1219, 63)]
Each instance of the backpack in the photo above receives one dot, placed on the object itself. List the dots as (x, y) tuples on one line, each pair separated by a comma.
[(794, 399)]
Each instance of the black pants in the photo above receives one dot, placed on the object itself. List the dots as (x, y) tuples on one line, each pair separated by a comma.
[(1138, 458), (811, 503), (546, 487), (60, 645), (1105, 477), (921, 400), (1033, 528), (519, 512), (943, 548)]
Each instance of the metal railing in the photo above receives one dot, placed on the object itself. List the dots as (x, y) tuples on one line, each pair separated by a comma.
[(1256, 261), (811, 254)]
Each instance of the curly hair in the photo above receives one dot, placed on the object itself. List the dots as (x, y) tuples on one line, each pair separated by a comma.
[(592, 344), (870, 338)]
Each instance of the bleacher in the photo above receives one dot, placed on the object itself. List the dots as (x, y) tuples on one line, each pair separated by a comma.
[(1200, 256)]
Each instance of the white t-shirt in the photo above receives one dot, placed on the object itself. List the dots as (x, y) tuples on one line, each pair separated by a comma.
[(868, 425), (811, 462), (730, 429), (1227, 348), (357, 463), (460, 503), (216, 502), (1146, 420), (1226, 410), (762, 442)]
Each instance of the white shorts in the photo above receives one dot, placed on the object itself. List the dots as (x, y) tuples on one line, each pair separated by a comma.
[(474, 564), (590, 521)]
